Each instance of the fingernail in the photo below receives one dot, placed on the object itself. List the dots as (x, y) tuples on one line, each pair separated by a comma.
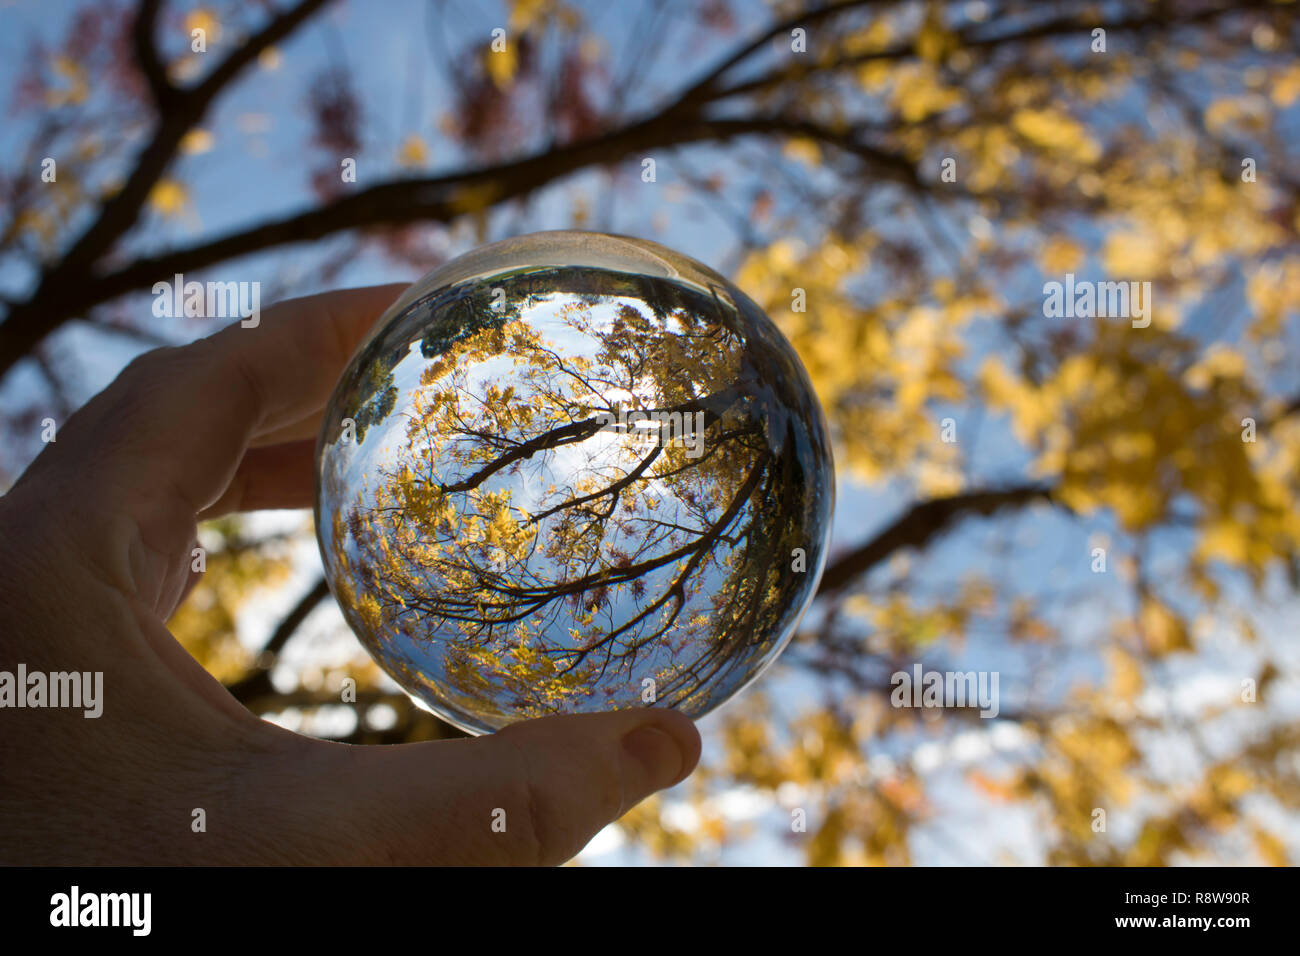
[(658, 754)]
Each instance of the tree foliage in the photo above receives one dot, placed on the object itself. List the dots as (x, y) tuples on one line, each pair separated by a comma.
[(1117, 517)]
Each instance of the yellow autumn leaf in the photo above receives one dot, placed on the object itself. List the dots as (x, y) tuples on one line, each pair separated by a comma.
[(78, 87), (1060, 255), (1163, 631), (1132, 253), (169, 197), (414, 152), (803, 149), (1219, 362), (919, 93), (1229, 782), (934, 41), (1286, 88), (873, 38), (196, 141), (502, 64), (1225, 540), (937, 480), (1271, 848), (203, 19), (1235, 111), (475, 198), (527, 13), (1125, 674), (1056, 131), (874, 75)]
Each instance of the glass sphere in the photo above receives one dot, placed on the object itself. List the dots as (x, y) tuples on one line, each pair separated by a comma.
[(572, 472)]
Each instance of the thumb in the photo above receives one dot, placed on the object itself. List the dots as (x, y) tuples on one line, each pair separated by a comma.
[(533, 793)]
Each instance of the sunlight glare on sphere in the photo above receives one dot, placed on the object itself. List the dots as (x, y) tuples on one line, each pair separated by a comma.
[(572, 472)]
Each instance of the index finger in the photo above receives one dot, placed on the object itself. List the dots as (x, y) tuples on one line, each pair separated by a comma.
[(164, 439)]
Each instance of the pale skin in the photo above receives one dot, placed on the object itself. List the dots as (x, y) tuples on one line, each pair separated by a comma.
[(97, 548)]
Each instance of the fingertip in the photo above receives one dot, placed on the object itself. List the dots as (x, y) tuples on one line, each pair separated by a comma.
[(685, 736), (656, 754)]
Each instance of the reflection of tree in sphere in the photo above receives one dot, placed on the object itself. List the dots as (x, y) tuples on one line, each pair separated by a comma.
[(587, 473)]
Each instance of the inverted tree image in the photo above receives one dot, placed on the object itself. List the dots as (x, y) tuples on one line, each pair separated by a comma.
[(1101, 510), (600, 480)]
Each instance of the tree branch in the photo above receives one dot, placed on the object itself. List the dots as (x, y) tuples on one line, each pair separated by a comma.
[(258, 684), (63, 291), (704, 88), (147, 58), (72, 287), (921, 524), (438, 199), (982, 39)]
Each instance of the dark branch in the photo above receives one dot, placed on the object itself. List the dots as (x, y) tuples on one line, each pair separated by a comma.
[(258, 684), (66, 290), (920, 525), (147, 58), (703, 88)]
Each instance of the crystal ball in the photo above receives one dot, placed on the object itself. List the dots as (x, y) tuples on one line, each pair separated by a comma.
[(573, 472)]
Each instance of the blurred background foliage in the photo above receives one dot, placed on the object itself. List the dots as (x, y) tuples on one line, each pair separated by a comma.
[(1115, 528)]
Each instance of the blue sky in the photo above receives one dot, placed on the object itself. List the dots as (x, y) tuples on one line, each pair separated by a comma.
[(255, 169)]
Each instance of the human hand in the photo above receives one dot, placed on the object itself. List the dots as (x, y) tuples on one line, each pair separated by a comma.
[(95, 553)]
